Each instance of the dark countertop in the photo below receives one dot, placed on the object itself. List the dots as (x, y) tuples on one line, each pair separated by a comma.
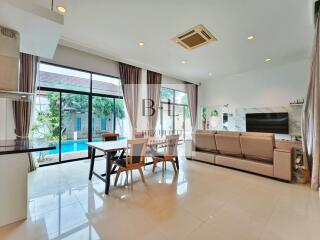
[(24, 146)]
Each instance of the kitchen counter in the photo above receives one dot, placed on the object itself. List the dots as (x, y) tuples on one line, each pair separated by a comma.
[(14, 169), (24, 146)]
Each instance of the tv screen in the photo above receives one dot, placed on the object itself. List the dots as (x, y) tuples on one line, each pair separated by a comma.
[(268, 122)]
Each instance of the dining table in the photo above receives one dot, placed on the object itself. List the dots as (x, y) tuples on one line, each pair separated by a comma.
[(109, 148)]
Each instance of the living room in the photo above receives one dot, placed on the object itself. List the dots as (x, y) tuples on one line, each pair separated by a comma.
[(201, 125)]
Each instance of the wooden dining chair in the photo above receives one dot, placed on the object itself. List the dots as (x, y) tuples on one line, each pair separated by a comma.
[(110, 137), (170, 153), (139, 135), (135, 154)]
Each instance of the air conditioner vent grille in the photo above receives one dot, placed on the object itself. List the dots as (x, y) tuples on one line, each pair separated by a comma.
[(186, 34), (6, 32), (194, 37)]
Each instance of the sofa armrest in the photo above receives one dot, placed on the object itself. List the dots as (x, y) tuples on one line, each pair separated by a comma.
[(188, 148), (282, 164)]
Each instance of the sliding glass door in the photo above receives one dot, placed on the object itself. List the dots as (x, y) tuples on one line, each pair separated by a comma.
[(74, 126), (174, 116), (46, 125), (74, 107)]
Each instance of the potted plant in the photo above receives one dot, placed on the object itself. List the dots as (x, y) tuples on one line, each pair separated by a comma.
[(204, 117), (214, 118)]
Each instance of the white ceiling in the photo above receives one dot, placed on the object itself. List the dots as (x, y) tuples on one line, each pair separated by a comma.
[(113, 28), (39, 28)]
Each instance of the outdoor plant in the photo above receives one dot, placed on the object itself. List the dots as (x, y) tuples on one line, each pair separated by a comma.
[(47, 123)]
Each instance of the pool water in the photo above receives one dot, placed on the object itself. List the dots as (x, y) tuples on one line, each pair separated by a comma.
[(74, 146)]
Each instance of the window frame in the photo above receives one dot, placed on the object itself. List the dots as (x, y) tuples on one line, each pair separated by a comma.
[(174, 104), (90, 95)]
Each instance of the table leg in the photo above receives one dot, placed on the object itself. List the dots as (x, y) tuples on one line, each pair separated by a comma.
[(108, 173), (93, 153), (177, 162)]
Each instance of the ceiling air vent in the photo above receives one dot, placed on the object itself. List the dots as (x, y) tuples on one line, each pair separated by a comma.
[(194, 37)]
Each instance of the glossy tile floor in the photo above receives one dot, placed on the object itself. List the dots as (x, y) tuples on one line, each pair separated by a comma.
[(201, 202)]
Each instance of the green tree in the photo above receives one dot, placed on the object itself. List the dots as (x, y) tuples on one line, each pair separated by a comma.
[(166, 93), (47, 121)]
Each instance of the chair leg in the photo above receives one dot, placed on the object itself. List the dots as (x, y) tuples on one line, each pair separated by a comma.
[(174, 166), (117, 177), (163, 168), (131, 178), (141, 174), (127, 178), (154, 164)]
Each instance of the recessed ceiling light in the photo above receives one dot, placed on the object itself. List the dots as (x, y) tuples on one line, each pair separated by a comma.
[(61, 9), (141, 44), (184, 62), (210, 74), (268, 59), (251, 37)]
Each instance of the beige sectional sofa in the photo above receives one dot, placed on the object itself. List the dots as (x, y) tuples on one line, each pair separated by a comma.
[(252, 152)]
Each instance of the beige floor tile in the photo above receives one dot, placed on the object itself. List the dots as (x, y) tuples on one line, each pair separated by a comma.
[(200, 202)]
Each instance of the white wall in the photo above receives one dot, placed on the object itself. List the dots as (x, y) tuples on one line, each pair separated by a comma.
[(6, 119), (77, 59), (173, 83), (272, 87), (269, 88), (70, 57)]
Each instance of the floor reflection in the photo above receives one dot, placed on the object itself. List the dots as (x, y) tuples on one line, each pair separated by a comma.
[(63, 204)]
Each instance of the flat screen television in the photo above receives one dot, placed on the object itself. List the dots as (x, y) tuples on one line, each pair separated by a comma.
[(268, 122)]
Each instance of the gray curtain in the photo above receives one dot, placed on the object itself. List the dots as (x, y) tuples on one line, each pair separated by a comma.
[(22, 109), (192, 92), (311, 114), (130, 77), (153, 93)]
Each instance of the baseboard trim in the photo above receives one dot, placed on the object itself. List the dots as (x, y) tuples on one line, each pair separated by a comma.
[(257, 174)]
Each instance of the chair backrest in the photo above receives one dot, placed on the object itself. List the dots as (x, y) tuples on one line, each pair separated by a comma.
[(139, 135), (171, 146), (110, 137), (136, 151)]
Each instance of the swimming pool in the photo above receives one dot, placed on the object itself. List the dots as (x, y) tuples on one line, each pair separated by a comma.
[(74, 145)]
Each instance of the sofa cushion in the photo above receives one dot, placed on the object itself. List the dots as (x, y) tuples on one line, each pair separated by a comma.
[(203, 156), (204, 141), (228, 143), (246, 165), (257, 147), (257, 134), (229, 132)]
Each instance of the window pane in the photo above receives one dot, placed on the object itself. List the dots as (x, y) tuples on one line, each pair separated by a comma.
[(46, 125), (179, 120), (74, 128), (167, 114), (181, 97), (166, 94), (122, 120), (106, 85), (63, 78), (102, 108), (188, 128)]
